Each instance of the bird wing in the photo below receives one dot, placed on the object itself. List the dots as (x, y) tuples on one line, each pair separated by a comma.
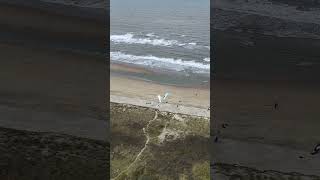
[(159, 97), (165, 96)]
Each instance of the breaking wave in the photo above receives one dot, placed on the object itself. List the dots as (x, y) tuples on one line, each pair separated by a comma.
[(161, 62), (207, 59), (150, 39)]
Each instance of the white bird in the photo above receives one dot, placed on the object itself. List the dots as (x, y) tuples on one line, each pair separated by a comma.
[(162, 98), (165, 96)]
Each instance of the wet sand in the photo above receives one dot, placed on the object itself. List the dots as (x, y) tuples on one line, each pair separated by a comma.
[(53, 26)]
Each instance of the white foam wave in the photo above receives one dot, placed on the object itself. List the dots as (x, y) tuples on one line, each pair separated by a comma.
[(207, 59), (159, 62), (151, 39), (130, 39), (151, 35)]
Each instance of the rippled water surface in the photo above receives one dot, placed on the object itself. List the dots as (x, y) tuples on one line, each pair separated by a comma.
[(171, 35)]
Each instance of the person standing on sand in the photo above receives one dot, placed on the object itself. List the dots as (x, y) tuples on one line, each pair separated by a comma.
[(276, 105), (217, 137)]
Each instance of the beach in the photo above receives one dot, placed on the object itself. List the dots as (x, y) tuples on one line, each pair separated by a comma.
[(51, 91), (159, 89), (252, 133), (265, 89), (120, 85), (46, 68), (53, 76), (167, 140)]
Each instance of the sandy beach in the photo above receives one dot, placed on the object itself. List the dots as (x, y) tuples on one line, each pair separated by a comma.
[(157, 49), (53, 91), (155, 140), (256, 133), (51, 81), (53, 75), (146, 90), (176, 130), (266, 89)]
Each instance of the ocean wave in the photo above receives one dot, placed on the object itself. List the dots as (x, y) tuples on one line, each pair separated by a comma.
[(130, 39), (151, 39), (151, 35), (207, 59), (160, 62)]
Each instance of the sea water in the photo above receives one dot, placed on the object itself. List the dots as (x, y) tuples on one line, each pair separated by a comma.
[(171, 36)]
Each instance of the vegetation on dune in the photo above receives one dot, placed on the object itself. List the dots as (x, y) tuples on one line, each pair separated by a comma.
[(201, 171), (33, 155), (177, 147)]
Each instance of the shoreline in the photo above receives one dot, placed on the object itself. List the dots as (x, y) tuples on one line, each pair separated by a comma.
[(184, 100), (53, 26), (140, 73), (60, 8)]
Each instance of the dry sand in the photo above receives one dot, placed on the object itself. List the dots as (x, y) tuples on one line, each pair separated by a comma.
[(145, 93)]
